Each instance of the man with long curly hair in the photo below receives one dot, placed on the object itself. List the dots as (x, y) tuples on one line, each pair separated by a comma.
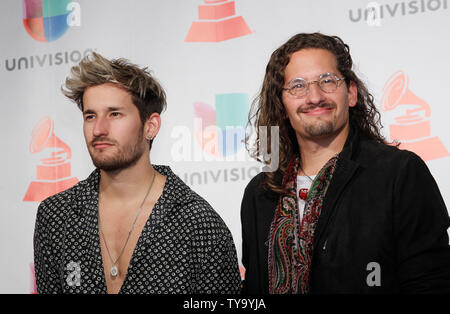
[(345, 212)]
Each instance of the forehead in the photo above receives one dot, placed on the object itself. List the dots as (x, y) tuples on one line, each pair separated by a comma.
[(101, 97), (309, 63)]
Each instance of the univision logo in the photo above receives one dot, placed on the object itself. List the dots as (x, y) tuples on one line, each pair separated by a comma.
[(220, 131), (374, 12), (48, 20)]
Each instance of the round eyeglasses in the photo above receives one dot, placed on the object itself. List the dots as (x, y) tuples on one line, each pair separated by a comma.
[(327, 82)]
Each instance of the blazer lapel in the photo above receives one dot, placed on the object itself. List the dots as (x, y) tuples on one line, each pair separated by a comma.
[(345, 170), (341, 177)]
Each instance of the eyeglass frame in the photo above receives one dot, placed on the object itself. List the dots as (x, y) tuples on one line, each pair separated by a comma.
[(338, 79)]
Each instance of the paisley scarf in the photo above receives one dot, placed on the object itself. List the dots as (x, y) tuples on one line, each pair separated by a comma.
[(292, 237)]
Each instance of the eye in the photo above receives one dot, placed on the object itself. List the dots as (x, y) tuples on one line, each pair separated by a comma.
[(88, 117), (328, 81), (298, 85), (116, 114)]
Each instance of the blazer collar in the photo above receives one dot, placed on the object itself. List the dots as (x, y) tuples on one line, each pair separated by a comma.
[(85, 194)]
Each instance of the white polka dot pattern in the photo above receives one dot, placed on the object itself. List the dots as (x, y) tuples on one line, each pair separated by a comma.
[(185, 247)]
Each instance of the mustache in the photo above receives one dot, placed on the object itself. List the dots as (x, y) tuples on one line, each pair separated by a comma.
[(304, 109), (102, 139)]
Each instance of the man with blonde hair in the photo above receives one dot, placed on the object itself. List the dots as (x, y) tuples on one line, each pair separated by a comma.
[(130, 227)]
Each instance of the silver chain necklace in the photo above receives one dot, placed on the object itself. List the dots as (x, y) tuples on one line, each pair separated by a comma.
[(305, 173), (114, 271)]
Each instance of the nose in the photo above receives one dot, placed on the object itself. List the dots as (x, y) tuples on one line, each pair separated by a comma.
[(100, 127), (315, 95)]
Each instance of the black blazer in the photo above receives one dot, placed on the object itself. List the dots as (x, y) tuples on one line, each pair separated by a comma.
[(382, 206)]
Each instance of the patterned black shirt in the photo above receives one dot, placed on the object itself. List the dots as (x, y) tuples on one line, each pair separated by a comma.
[(184, 247)]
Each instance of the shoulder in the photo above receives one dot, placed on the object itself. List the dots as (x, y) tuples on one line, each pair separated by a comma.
[(251, 192), (386, 156), (258, 200), (51, 217), (188, 207), (201, 222), (255, 185), (183, 203), (404, 169), (256, 189), (54, 206), (196, 205), (57, 206), (201, 215)]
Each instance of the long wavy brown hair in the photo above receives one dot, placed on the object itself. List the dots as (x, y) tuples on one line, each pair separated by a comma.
[(268, 109)]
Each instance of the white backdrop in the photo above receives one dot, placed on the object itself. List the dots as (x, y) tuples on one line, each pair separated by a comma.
[(212, 75)]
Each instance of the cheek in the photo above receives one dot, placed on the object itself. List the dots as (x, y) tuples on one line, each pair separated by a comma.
[(86, 132), (342, 112), (290, 107), (129, 132)]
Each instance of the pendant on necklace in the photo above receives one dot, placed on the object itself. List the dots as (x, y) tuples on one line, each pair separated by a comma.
[(114, 271), (303, 194)]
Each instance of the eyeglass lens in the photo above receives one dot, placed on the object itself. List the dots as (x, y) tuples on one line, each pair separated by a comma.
[(300, 87)]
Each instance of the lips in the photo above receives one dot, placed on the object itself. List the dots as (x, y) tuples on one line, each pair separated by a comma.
[(102, 144), (317, 110)]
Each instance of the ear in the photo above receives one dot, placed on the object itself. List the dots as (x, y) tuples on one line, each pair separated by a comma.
[(352, 94), (152, 125)]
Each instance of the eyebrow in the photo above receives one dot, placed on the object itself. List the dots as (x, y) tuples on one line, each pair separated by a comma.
[(109, 109), (318, 77)]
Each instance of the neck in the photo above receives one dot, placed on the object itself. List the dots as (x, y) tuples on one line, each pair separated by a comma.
[(127, 183), (315, 152)]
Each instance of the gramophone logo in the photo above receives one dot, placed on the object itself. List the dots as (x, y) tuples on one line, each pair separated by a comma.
[(46, 20), (53, 171), (221, 129), (217, 22), (413, 128)]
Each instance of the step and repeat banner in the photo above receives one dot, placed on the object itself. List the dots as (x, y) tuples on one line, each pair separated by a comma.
[(210, 56)]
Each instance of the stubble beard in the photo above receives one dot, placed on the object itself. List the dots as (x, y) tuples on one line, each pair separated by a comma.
[(126, 157), (321, 127)]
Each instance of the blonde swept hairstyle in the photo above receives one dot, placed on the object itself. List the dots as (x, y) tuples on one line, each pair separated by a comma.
[(147, 94)]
